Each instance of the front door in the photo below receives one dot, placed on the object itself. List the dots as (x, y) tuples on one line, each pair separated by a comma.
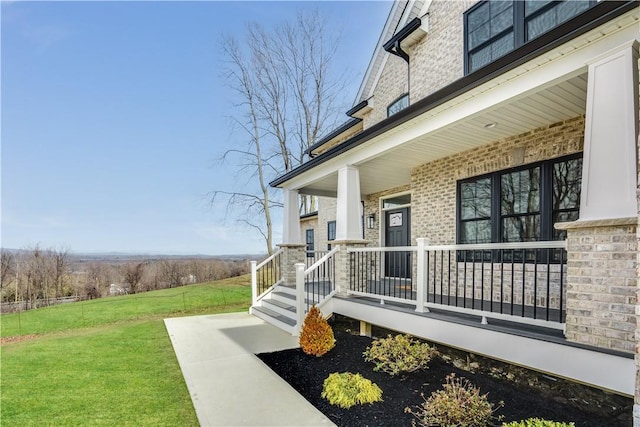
[(397, 227)]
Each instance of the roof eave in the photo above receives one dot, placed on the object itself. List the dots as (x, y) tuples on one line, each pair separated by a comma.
[(590, 19)]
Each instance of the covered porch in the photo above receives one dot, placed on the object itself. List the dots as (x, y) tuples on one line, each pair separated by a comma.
[(560, 306)]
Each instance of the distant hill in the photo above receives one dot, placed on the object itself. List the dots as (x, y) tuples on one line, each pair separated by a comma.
[(119, 257)]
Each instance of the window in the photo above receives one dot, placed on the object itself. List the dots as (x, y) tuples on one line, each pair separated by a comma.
[(542, 16), (398, 105), (495, 28), (520, 205), (310, 242), (396, 201), (475, 211), (489, 32), (331, 232)]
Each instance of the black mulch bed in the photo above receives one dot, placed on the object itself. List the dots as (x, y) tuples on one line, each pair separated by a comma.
[(306, 374)]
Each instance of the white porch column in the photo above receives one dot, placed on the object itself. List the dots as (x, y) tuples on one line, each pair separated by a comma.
[(291, 218), (349, 207), (611, 132)]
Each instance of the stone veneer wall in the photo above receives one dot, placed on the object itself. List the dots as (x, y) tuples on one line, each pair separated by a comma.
[(433, 185)]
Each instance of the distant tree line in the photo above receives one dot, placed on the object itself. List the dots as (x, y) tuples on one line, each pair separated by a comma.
[(37, 277)]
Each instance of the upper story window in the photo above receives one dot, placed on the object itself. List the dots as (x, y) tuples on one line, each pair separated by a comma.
[(494, 28), (398, 105), (520, 205)]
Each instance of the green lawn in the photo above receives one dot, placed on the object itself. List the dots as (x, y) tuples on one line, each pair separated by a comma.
[(106, 362)]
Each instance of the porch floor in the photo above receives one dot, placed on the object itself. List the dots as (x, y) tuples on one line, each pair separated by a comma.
[(498, 325)]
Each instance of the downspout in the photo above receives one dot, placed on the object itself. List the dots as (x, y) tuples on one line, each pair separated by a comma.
[(404, 55), (393, 46)]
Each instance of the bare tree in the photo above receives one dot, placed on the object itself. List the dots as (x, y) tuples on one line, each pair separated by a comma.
[(133, 273), (99, 277), (287, 96), (172, 272), (60, 266), (38, 276), (7, 267)]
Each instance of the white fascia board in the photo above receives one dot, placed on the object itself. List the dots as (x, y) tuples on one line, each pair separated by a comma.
[(558, 65)]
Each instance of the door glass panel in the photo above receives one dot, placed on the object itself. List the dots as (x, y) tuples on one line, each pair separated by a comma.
[(393, 202)]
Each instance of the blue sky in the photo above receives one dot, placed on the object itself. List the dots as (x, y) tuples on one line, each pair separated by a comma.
[(114, 113)]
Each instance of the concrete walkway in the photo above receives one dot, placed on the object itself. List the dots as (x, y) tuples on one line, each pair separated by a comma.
[(229, 385)]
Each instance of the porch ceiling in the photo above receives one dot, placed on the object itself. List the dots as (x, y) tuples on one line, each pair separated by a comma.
[(392, 168)]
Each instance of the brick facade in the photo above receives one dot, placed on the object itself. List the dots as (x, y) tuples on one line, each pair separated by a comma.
[(435, 61), (602, 284), (433, 185), (391, 85)]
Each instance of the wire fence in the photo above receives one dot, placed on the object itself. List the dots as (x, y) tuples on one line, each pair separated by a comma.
[(130, 307)]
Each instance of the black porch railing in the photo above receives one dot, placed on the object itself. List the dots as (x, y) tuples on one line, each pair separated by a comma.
[(524, 280), (319, 277), (383, 272), (266, 274)]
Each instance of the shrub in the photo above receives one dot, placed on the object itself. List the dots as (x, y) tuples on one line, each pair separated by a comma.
[(537, 422), (394, 355), (346, 390), (316, 336), (458, 403)]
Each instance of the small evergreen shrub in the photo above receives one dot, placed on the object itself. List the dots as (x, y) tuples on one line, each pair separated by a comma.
[(401, 353), (316, 336), (458, 403), (346, 390), (537, 422)]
